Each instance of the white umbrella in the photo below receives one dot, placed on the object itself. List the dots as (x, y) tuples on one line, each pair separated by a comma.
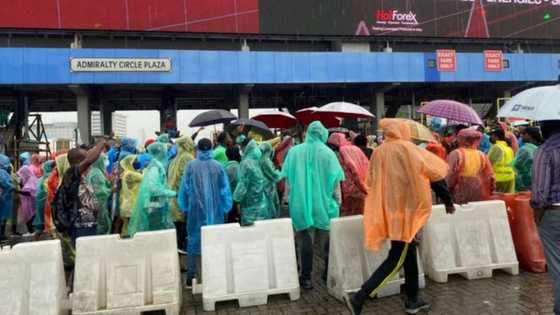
[(540, 103), (344, 110)]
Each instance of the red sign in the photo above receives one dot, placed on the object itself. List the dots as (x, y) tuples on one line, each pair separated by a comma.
[(493, 61), (446, 60)]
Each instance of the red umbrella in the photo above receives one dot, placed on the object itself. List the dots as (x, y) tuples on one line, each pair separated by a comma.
[(276, 119), (451, 110), (344, 110), (308, 115)]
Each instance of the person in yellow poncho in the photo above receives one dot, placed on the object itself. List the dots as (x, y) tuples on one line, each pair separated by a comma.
[(130, 185), (398, 204), (501, 156), (185, 154)]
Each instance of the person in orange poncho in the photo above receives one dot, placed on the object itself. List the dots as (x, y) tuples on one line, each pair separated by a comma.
[(398, 205), (355, 165), (470, 177)]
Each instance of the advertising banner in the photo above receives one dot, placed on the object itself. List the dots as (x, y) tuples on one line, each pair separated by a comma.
[(521, 19)]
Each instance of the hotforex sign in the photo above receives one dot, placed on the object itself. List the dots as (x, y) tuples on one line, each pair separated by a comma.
[(391, 21), (120, 65)]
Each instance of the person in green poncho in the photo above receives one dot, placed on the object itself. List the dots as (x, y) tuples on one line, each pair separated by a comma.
[(101, 186), (313, 175), (151, 211), (271, 178), (220, 149), (41, 198), (250, 193), (185, 154), (523, 162)]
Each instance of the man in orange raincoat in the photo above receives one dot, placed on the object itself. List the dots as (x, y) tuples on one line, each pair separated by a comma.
[(399, 203)]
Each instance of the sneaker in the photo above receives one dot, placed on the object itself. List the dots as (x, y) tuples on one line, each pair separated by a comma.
[(413, 307), (306, 284), (354, 307)]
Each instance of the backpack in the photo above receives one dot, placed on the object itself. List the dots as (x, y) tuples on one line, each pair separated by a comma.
[(66, 204)]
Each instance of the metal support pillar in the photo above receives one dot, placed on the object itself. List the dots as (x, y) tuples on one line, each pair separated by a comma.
[(106, 117), (243, 109), (84, 118), (379, 111)]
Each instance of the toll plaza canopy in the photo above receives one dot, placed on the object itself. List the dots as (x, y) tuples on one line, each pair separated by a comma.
[(32, 66)]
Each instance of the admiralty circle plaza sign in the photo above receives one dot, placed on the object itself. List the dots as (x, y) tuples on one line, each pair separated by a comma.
[(120, 65)]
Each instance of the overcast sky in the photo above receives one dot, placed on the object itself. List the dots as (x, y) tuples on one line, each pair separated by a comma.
[(143, 124)]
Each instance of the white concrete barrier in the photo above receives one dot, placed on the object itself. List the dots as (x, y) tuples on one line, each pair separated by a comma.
[(350, 264), (127, 276), (472, 242), (248, 263), (32, 279)]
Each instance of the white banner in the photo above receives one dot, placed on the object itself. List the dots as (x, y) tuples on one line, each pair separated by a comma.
[(120, 64)]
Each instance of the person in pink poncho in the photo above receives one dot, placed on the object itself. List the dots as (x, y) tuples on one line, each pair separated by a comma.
[(28, 183), (355, 166)]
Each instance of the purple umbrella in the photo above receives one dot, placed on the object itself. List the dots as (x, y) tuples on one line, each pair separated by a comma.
[(451, 110)]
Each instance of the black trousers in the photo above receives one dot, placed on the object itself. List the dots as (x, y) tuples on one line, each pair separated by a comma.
[(401, 255), (181, 228)]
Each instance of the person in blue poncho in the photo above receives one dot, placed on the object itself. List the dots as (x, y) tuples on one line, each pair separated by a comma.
[(205, 197), (6, 192), (152, 210)]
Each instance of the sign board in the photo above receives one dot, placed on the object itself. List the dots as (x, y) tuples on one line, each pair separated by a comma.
[(446, 60), (510, 19), (120, 65), (493, 61)]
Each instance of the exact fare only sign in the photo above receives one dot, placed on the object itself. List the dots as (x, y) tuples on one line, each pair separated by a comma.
[(493, 61), (120, 65), (446, 60)]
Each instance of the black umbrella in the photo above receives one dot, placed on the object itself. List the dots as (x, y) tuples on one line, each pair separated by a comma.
[(259, 125), (212, 117)]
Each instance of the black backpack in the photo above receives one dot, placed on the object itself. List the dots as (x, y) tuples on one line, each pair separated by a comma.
[(66, 203)]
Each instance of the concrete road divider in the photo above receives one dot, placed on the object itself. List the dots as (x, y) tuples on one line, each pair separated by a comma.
[(32, 279), (472, 242), (350, 264), (248, 263), (127, 276)]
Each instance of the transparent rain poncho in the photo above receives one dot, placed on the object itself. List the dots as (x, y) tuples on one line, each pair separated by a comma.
[(271, 178), (130, 185), (399, 200), (151, 211), (355, 164), (40, 222), (6, 188), (101, 186), (523, 164), (204, 196), (312, 173), (28, 182), (185, 154), (250, 190)]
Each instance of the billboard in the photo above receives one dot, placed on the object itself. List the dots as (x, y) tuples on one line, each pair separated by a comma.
[(525, 19)]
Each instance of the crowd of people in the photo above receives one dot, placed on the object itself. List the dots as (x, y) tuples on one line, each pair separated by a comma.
[(116, 187)]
